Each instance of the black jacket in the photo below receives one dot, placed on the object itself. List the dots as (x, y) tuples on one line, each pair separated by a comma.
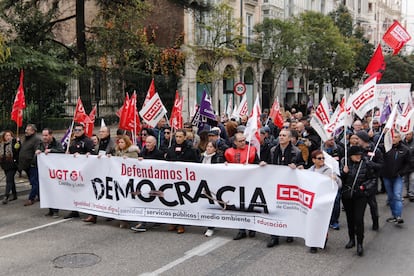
[(27, 151), (215, 159), (183, 152), (54, 147), (10, 162), (291, 155), (154, 154), (396, 161), (358, 182), (81, 145)]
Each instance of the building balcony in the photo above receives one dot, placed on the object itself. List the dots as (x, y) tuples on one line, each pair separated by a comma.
[(253, 3)]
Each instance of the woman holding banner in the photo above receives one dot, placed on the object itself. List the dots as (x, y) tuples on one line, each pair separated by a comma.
[(211, 156), (319, 166)]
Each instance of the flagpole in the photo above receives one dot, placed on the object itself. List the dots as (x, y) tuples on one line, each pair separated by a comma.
[(70, 136), (345, 130), (248, 152), (377, 144)]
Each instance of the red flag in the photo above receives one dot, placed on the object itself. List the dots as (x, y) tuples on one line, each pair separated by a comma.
[(129, 119), (19, 103), (150, 93), (123, 113), (176, 120), (276, 115), (90, 125), (80, 114), (119, 112), (396, 37), (376, 65)]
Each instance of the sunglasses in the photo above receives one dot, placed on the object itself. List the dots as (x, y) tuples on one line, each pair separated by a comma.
[(320, 158), (77, 129), (167, 132)]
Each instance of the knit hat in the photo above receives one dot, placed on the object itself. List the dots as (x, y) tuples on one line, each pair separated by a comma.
[(363, 135), (355, 150)]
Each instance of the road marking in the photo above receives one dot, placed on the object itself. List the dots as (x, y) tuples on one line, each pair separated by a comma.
[(32, 229), (200, 250)]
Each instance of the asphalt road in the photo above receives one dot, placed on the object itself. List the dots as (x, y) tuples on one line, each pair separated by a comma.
[(32, 244)]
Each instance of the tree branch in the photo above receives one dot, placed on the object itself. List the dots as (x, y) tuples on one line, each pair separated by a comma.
[(62, 19)]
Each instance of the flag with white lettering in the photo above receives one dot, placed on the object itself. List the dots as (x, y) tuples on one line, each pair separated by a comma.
[(364, 99), (337, 119), (206, 108), (321, 118), (176, 119), (243, 108), (396, 37)]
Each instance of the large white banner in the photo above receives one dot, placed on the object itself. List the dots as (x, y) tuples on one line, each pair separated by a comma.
[(269, 199), (398, 92)]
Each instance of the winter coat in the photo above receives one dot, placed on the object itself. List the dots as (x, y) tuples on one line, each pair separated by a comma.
[(291, 155), (358, 182), (27, 151), (54, 147), (81, 145), (215, 159), (9, 155), (156, 154), (182, 152), (410, 145), (131, 152), (396, 161)]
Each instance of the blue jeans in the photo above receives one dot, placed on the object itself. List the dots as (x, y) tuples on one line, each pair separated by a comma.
[(336, 211), (34, 181), (394, 188)]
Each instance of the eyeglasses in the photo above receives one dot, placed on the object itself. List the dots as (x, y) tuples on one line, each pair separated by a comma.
[(167, 132), (320, 158), (77, 129)]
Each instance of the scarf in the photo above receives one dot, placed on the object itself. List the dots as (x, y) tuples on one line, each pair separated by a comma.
[(6, 151), (207, 157)]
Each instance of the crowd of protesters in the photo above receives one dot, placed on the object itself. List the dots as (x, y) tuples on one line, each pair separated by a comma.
[(365, 168)]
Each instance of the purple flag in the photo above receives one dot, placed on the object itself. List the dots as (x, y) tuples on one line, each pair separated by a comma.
[(206, 109), (386, 111), (65, 139)]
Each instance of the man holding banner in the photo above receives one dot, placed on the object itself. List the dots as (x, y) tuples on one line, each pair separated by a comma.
[(285, 154)]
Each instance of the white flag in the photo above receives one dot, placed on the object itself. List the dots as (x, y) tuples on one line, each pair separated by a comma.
[(229, 108), (251, 132), (364, 99), (234, 114), (243, 108), (153, 111), (321, 118)]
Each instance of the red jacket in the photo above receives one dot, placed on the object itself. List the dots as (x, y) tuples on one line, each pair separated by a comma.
[(233, 155)]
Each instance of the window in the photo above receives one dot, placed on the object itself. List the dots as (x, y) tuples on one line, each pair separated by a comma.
[(369, 7), (249, 28)]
